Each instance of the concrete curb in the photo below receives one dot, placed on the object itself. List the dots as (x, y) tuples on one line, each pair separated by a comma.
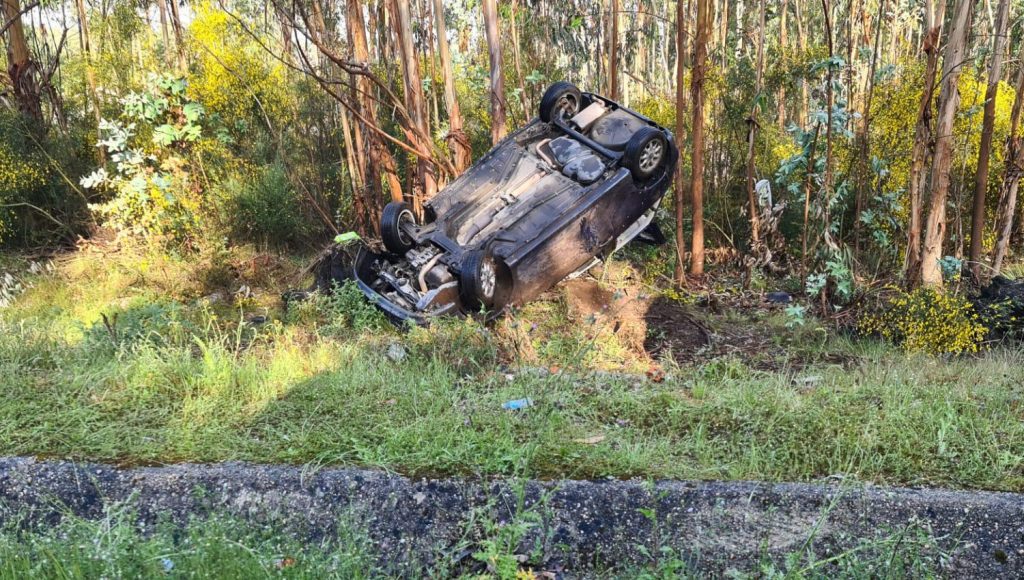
[(581, 525)]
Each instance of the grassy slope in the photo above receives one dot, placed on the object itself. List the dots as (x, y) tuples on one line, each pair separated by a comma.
[(175, 380)]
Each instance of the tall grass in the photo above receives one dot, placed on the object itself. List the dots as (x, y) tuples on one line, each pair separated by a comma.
[(170, 378)]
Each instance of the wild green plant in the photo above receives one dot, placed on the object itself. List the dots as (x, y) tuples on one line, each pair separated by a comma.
[(149, 177)]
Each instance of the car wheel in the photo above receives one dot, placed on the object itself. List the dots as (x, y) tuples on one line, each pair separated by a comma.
[(485, 282), (561, 100), (646, 153), (396, 214)]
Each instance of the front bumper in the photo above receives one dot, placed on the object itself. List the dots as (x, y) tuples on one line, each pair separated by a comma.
[(362, 273)]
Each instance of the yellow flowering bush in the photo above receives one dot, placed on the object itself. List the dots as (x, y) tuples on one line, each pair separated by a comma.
[(18, 175), (927, 320), (232, 76)]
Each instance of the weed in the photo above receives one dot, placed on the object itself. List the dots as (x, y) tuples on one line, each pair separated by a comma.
[(115, 546)]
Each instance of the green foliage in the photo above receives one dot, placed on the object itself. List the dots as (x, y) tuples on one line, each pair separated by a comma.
[(346, 309), (37, 205), (263, 207), (152, 192), (927, 320), (219, 546)]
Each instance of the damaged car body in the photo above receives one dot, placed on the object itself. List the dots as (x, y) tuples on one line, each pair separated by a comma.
[(554, 198)]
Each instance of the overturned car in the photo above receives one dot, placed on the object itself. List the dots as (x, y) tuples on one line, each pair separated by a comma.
[(551, 200)]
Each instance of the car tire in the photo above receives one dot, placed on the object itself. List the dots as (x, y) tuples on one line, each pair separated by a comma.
[(395, 239), (646, 153), (562, 99), (485, 282)]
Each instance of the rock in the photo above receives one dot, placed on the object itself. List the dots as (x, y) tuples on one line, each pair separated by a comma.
[(396, 352), (211, 299)]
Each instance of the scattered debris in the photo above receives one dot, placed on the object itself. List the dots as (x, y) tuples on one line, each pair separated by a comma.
[(656, 375), (517, 404), (396, 352)]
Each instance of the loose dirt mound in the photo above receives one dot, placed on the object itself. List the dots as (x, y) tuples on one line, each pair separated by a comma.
[(622, 311), (658, 328)]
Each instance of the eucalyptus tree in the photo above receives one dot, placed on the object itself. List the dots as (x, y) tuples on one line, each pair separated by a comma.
[(953, 57), (22, 69), (934, 14), (700, 61), (425, 182), (682, 19), (985, 148), (498, 130), (1014, 159), (457, 139)]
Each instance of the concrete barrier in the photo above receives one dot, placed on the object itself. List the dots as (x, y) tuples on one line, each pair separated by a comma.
[(578, 526)]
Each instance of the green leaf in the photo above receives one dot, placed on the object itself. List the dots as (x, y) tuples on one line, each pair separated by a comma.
[(165, 135), (192, 112)]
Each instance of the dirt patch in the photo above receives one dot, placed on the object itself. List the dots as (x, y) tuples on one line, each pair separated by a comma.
[(673, 331), (618, 311), (656, 328)]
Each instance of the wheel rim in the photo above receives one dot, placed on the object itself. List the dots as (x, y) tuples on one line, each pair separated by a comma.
[(566, 107), (405, 217), (650, 155), (488, 279)]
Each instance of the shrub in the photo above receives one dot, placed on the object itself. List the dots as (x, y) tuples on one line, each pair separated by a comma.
[(347, 309), (36, 206), (927, 320), (152, 192), (264, 209)]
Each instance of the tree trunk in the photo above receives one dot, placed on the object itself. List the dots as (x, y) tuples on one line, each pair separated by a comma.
[(923, 147), (783, 47), (985, 149), (90, 75), (523, 95), (498, 130), (700, 57), (752, 126), (829, 102), (952, 60), (179, 35), (165, 33), (862, 184), (681, 110), (374, 157), (457, 139), (1011, 180), (425, 184), (613, 50), (801, 33), (363, 223), (21, 68)]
